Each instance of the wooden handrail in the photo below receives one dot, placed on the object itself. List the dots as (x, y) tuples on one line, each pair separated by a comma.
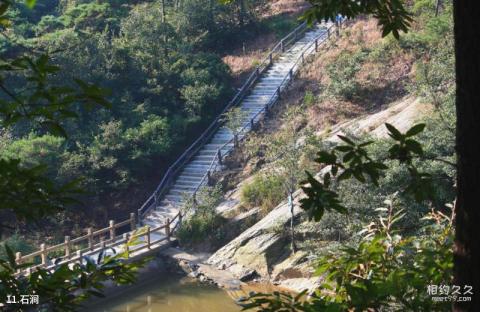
[(271, 101), (98, 246), (69, 245), (197, 144)]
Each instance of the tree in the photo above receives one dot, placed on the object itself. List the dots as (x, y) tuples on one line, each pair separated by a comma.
[(234, 119), (27, 192), (467, 214), (284, 150)]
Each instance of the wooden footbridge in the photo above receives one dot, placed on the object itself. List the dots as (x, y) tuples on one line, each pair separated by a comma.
[(154, 224)]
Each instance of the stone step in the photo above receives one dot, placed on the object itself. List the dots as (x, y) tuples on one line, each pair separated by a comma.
[(204, 157), (215, 146), (193, 172), (174, 198), (197, 166), (181, 192), (187, 178), (186, 186), (201, 162), (178, 186)]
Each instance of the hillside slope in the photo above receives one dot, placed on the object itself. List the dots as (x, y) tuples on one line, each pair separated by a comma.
[(263, 249)]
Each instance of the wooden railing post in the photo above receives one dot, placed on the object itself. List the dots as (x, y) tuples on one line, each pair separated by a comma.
[(79, 255), (167, 229), (194, 199), (290, 74), (278, 93), (18, 257), (337, 28), (328, 33), (281, 46), (270, 58), (133, 224), (90, 238), (303, 57), (316, 45), (111, 226), (67, 246), (125, 237), (43, 255), (235, 140), (209, 178), (219, 156), (147, 237)]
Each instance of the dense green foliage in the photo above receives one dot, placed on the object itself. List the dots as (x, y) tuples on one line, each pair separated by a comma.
[(203, 225), (161, 61)]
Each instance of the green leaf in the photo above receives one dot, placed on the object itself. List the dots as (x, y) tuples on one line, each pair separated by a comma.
[(346, 140), (415, 130), (394, 133), (30, 3)]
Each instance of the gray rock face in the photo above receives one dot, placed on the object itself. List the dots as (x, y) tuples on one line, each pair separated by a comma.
[(264, 247), (260, 246)]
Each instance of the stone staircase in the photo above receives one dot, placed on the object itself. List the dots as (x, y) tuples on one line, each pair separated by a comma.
[(192, 175)]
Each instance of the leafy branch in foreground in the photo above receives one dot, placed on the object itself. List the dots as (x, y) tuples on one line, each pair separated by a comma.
[(391, 14), (28, 193), (41, 102), (385, 270), (352, 160)]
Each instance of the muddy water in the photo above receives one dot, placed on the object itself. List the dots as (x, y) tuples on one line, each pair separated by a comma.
[(167, 294)]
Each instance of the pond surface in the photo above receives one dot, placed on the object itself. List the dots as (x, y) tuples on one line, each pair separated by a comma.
[(167, 294)]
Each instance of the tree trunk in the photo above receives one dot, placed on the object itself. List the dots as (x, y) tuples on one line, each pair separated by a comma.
[(165, 38), (467, 208), (241, 13), (292, 228), (437, 7)]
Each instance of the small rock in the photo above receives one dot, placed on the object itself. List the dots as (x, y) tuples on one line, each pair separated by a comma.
[(248, 275), (193, 274)]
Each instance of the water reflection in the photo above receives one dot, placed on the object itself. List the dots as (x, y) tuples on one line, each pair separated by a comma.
[(168, 294)]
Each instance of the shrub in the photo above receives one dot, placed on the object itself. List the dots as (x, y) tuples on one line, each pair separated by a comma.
[(342, 74), (264, 191), (309, 98), (203, 223)]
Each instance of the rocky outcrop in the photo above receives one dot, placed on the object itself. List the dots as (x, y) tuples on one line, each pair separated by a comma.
[(264, 247)]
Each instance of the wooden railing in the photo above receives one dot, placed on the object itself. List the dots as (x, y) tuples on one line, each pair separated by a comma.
[(174, 169), (315, 44), (75, 250)]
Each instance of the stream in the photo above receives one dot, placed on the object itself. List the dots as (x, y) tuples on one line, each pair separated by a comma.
[(168, 293)]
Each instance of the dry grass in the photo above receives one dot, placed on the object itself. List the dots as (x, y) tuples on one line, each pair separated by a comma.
[(242, 60), (291, 7), (381, 83)]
